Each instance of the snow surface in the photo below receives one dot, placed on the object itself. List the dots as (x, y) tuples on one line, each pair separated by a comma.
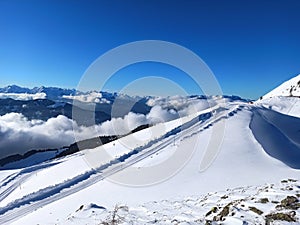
[(196, 209), (288, 88), (185, 171), (134, 170), (284, 99), (286, 105)]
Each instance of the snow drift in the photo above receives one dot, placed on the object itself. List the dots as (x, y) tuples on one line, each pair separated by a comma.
[(278, 134)]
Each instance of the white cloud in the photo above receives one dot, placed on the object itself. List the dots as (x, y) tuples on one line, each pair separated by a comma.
[(93, 97), (122, 125), (19, 135), (23, 96), (182, 104), (159, 115)]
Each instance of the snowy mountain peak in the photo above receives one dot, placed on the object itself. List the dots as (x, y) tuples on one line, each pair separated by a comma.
[(290, 88), (21, 93), (18, 89), (14, 89), (61, 94)]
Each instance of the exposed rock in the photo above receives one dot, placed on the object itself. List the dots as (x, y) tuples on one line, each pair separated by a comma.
[(290, 202), (256, 210), (263, 200), (279, 216), (223, 213), (213, 210)]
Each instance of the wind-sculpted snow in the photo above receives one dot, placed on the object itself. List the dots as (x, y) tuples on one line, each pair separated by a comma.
[(286, 105), (278, 134), (14, 181)]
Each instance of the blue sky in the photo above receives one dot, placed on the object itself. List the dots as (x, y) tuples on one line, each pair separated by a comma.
[(251, 46)]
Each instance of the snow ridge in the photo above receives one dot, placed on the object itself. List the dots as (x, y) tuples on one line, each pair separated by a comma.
[(290, 88)]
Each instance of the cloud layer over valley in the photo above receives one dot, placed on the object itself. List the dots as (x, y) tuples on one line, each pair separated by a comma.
[(19, 134)]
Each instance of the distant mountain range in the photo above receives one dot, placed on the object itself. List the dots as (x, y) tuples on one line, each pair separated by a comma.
[(47, 102), (53, 93)]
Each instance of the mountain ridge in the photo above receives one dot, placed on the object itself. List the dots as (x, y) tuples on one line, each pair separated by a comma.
[(289, 88)]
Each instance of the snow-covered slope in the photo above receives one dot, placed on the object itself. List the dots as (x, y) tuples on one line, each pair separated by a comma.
[(142, 168), (288, 88), (269, 203), (285, 98), (184, 171), (286, 105)]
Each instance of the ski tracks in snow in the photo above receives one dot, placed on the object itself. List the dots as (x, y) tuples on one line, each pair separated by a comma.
[(28, 203)]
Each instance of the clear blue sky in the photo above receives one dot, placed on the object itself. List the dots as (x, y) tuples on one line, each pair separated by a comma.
[(251, 46)]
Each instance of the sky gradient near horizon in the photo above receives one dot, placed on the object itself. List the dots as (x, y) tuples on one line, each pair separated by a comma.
[(251, 46)]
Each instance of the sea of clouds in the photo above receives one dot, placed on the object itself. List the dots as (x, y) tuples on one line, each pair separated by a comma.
[(19, 134), (93, 97)]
